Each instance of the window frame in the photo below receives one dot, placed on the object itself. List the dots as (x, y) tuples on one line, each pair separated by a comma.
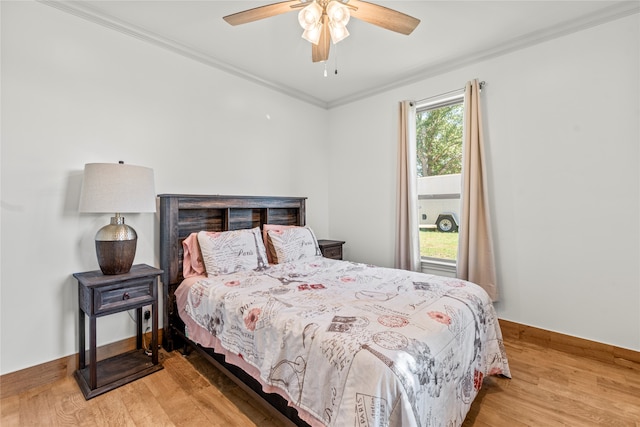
[(430, 264)]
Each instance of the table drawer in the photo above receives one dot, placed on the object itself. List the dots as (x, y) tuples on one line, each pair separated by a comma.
[(121, 295), (334, 252)]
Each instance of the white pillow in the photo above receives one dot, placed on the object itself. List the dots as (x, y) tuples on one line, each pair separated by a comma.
[(226, 252), (294, 243)]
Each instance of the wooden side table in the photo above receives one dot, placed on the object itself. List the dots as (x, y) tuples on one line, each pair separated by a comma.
[(100, 295), (331, 248)]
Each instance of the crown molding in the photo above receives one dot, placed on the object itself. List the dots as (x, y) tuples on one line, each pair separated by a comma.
[(82, 10), (616, 11)]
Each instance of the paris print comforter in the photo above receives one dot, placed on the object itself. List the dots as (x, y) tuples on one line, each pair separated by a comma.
[(353, 344)]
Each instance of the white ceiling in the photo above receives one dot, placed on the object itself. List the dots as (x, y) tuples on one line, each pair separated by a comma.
[(271, 51)]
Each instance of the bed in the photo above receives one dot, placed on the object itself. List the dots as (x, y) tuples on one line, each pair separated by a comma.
[(325, 342)]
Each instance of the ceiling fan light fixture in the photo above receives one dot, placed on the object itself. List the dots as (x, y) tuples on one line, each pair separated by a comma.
[(338, 13), (312, 34), (338, 32), (310, 16), (324, 21)]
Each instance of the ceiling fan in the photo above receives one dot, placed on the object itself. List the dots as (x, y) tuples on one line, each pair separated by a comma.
[(325, 20)]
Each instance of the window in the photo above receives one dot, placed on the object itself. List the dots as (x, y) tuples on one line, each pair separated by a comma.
[(439, 136)]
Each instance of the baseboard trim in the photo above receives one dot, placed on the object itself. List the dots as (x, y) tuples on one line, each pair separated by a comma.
[(17, 382), (20, 381), (569, 344)]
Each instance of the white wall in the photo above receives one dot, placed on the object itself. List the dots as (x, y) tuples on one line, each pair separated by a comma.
[(562, 127), (73, 93)]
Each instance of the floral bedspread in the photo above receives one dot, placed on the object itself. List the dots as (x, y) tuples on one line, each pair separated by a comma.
[(357, 345)]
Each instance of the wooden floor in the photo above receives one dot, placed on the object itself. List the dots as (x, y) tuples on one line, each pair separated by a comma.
[(549, 388)]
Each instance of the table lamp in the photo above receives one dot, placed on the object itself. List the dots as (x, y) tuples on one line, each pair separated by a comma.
[(119, 188)]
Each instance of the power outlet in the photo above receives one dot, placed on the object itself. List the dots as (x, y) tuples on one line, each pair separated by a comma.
[(146, 314)]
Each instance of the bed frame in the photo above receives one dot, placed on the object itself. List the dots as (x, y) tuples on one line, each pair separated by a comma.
[(181, 215)]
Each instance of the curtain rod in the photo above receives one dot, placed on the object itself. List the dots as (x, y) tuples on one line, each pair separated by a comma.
[(482, 83)]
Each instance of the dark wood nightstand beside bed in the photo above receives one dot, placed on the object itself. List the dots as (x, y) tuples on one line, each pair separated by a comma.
[(100, 295), (331, 248)]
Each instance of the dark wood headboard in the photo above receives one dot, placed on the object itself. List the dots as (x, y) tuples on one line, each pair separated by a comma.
[(181, 215)]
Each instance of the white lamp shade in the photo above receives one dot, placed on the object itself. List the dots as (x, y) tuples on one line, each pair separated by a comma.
[(117, 188)]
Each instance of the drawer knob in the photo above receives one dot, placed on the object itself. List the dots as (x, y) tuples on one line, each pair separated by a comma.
[(125, 296)]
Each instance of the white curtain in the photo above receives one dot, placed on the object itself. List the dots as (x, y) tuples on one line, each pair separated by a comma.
[(475, 246), (407, 254)]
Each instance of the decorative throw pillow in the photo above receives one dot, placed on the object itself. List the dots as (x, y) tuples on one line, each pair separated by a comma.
[(230, 251), (271, 251), (293, 244)]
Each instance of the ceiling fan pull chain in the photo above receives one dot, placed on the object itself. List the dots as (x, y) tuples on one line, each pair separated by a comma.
[(325, 68)]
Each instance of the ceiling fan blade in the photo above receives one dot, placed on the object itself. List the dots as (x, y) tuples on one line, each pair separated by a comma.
[(320, 51), (383, 17), (261, 12)]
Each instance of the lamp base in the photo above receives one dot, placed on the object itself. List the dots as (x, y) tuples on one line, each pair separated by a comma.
[(116, 257), (116, 246)]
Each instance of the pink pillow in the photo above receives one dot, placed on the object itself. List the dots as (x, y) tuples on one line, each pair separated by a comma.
[(271, 251), (192, 264)]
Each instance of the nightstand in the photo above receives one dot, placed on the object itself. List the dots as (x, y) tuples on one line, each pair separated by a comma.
[(100, 295), (331, 248)]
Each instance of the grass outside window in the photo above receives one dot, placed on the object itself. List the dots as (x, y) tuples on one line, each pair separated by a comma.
[(435, 244)]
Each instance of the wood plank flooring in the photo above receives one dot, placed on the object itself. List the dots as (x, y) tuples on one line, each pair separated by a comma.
[(549, 388)]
